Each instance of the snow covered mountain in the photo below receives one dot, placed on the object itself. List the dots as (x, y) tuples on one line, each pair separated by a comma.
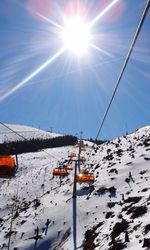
[(26, 131), (113, 213)]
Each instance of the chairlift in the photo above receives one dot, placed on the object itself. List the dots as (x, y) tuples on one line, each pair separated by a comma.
[(82, 158), (60, 170), (85, 177), (69, 167), (71, 155), (8, 166)]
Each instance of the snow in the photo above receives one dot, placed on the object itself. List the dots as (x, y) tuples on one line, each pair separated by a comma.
[(26, 131), (111, 164)]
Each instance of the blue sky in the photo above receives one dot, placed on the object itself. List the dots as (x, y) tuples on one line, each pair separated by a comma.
[(71, 94)]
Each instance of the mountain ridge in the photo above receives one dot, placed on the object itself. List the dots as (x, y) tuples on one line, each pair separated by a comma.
[(6, 135)]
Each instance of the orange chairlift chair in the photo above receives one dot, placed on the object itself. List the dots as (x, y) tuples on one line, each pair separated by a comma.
[(82, 158), (85, 177), (69, 167), (60, 171), (72, 154), (8, 166)]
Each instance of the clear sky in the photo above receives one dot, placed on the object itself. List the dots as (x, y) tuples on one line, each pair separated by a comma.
[(70, 93)]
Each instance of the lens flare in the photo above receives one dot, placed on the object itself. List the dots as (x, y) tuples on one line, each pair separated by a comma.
[(101, 50), (75, 33), (33, 74), (103, 12)]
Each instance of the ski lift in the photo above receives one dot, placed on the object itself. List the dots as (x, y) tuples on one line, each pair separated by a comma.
[(69, 167), (71, 155), (8, 166), (82, 158), (85, 177), (60, 172)]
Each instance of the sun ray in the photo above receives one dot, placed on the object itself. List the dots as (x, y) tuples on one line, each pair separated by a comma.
[(103, 12), (28, 78), (101, 50), (38, 14), (48, 20)]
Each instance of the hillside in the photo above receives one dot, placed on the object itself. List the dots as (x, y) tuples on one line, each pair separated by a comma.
[(115, 209), (26, 131)]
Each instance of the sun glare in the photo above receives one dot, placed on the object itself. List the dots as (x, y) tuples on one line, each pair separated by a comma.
[(76, 35)]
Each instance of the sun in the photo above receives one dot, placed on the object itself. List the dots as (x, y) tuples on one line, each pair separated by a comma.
[(76, 35)]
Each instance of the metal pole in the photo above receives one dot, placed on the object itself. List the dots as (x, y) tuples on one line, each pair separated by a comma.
[(75, 183), (79, 155), (16, 161), (74, 208), (126, 129), (60, 180)]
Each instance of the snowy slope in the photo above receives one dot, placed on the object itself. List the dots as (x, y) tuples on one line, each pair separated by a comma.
[(117, 204), (26, 131)]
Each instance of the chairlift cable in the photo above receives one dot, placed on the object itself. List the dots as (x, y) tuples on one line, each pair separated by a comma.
[(124, 65), (24, 138)]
